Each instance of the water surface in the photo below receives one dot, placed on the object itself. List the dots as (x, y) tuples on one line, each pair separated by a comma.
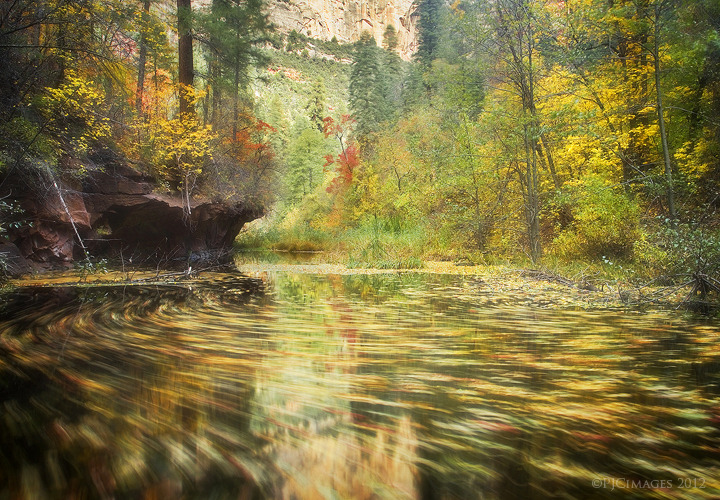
[(351, 387)]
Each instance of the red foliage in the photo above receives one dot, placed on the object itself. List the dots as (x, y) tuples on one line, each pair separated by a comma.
[(331, 127), (250, 142), (345, 165)]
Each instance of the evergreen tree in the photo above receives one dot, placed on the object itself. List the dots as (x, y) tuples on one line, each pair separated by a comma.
[(390, 38), (366, 86), (305, 163), (428, 30), (316, 104), (233, 30)]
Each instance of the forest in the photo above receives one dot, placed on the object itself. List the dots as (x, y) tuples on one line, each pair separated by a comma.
[(579, 135), (470, 273)]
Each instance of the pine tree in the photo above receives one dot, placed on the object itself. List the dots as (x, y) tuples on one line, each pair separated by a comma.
[(316, 104), (428, 30), (364, 86), (390, 38), (233, 30)]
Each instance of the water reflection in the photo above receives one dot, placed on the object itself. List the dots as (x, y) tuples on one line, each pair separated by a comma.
[(357, 386)]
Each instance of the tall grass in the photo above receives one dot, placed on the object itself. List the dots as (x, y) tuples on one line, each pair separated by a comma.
[(376, 243)]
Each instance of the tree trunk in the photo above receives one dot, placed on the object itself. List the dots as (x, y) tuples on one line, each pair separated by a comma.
[(531, 144), (545, 152), (661, 118), (185, 56), (236, 103), (520, 42), (216, 73), (142, 58), (215, 69)]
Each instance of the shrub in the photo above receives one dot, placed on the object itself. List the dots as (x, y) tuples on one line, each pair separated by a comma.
[(690, 249), (604, 221)]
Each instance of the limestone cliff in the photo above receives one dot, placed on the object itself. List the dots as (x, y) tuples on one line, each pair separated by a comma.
[(347, 19)]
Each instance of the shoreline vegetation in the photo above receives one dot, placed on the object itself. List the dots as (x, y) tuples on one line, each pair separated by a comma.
[(576, 143), (559, 287)]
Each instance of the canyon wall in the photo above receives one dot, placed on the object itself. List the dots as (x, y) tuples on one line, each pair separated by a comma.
[(347, 19)]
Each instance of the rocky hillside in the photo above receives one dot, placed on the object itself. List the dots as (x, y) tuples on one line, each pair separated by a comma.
[(345, 20)]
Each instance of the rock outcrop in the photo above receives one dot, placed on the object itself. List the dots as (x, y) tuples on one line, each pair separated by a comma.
[(115, 213), (347, 19)]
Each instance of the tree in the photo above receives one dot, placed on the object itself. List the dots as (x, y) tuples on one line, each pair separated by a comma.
[(305, 163), (390, 38), (659, 8), (372, 85), (142, 59), (363, 85), (182, 149), (516, 25), (316, 104), (428, 30), (232, 31), (186, 71)]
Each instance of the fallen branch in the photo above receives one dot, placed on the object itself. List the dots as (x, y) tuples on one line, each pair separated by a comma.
[(555, 278)]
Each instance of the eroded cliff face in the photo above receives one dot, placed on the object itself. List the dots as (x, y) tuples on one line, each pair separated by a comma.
[(347, 19), (116, 214)]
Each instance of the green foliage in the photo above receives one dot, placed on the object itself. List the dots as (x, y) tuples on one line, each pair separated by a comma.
[(295, 41), (390, 38), (305, 159), (293, 91), (604, 221), (22, 139), (688, 248), (367, 86), (429, 34), (10, 216), (386, 244), (298, 238), (316, 107)]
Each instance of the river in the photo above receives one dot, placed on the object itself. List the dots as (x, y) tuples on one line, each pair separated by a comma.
[(298, 385)]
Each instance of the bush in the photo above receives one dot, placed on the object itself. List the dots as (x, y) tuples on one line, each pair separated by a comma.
[(300, 238), (604, 221), (690, 249)]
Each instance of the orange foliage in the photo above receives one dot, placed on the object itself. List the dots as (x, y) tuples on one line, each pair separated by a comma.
[(250, 143)]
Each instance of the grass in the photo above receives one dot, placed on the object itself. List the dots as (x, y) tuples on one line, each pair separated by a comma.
[(376, 244), (295, 239)]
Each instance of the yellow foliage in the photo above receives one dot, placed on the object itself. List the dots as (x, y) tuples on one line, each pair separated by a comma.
[(692, 159), (72, 111), (183, 146)]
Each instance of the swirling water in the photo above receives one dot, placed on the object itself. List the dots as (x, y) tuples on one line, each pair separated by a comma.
[(301, 386)]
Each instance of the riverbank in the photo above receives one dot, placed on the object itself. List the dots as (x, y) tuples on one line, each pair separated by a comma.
[(504, 283)]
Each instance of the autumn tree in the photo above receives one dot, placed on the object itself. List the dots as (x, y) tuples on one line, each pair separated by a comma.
[(515, 45)]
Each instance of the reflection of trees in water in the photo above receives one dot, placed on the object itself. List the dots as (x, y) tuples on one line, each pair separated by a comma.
[(106, 396), (363, 386)]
